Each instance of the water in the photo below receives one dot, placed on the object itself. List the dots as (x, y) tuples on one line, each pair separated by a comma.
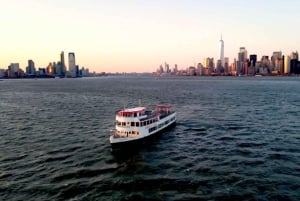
[(236, 139)]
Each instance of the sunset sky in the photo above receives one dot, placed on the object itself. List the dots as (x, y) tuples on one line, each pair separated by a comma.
[(139, 35)]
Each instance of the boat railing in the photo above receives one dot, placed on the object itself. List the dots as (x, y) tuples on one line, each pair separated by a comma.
[(116, 135), (164, 114)]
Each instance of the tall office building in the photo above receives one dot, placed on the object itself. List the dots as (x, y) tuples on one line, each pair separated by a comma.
[(253, 60), (242, 58), (72, 65), (208, 63), (276, 57), (30, 70), (13, 70), (294, 63), (226, 64), (242, 55), (221, 46), (62, 64), (167, 68), (286, 68), (294, 55)]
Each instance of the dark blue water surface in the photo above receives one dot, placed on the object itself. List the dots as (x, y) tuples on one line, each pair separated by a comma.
[(237, 138)]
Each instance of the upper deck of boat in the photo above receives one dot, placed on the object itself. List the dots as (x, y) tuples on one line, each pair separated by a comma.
[(143, 114)]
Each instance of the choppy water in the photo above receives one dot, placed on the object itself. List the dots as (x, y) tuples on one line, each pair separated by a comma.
[(236, 139)]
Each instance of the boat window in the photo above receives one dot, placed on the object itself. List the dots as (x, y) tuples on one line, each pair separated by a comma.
[(132, 124), (123, 124), (137, 124)]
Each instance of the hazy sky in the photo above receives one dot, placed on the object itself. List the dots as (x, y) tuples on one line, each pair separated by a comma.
[(139, 35)]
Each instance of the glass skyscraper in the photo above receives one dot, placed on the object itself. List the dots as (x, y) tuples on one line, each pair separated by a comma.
[(221, 43)]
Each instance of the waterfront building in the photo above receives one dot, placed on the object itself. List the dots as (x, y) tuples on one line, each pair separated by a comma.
[(233, 67), (175, 70), (13, 70), (199, 69), (205, 62), (275, 60), (2, 73), (242, 57), (62, 66), (226, 65), (41, 72), (191, 71), (30, 69), (246, 68), (72, 65), (59, 69), (287, 61), (219, 68), (50, 69), (294, 63), (209, 65), (221, 51), (253, 60), (84, 72), (294, 66), (54, 67), (281, 65), (161, 69), (294, 55), (167, 68), (265, 62)]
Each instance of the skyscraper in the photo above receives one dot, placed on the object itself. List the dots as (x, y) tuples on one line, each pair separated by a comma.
[(287, 61), (294, 55), (62, 64), (221, 46), (242, 55), (72, 65), (30, 68), (242, 58), (13, 70), (276, 57), (253, 60)]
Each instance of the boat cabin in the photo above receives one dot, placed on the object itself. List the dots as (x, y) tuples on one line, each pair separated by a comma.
[(164, 108), (133, 112)]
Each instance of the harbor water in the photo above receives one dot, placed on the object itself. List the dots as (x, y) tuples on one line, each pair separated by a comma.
[(236, 138)]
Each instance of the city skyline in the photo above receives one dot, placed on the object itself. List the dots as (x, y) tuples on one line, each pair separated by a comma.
[(137, 36)]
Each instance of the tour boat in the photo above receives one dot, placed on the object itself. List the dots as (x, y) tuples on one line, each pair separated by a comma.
[(134, 125)]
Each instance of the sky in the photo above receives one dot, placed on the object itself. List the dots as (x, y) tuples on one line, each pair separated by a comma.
[(139, 35)]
